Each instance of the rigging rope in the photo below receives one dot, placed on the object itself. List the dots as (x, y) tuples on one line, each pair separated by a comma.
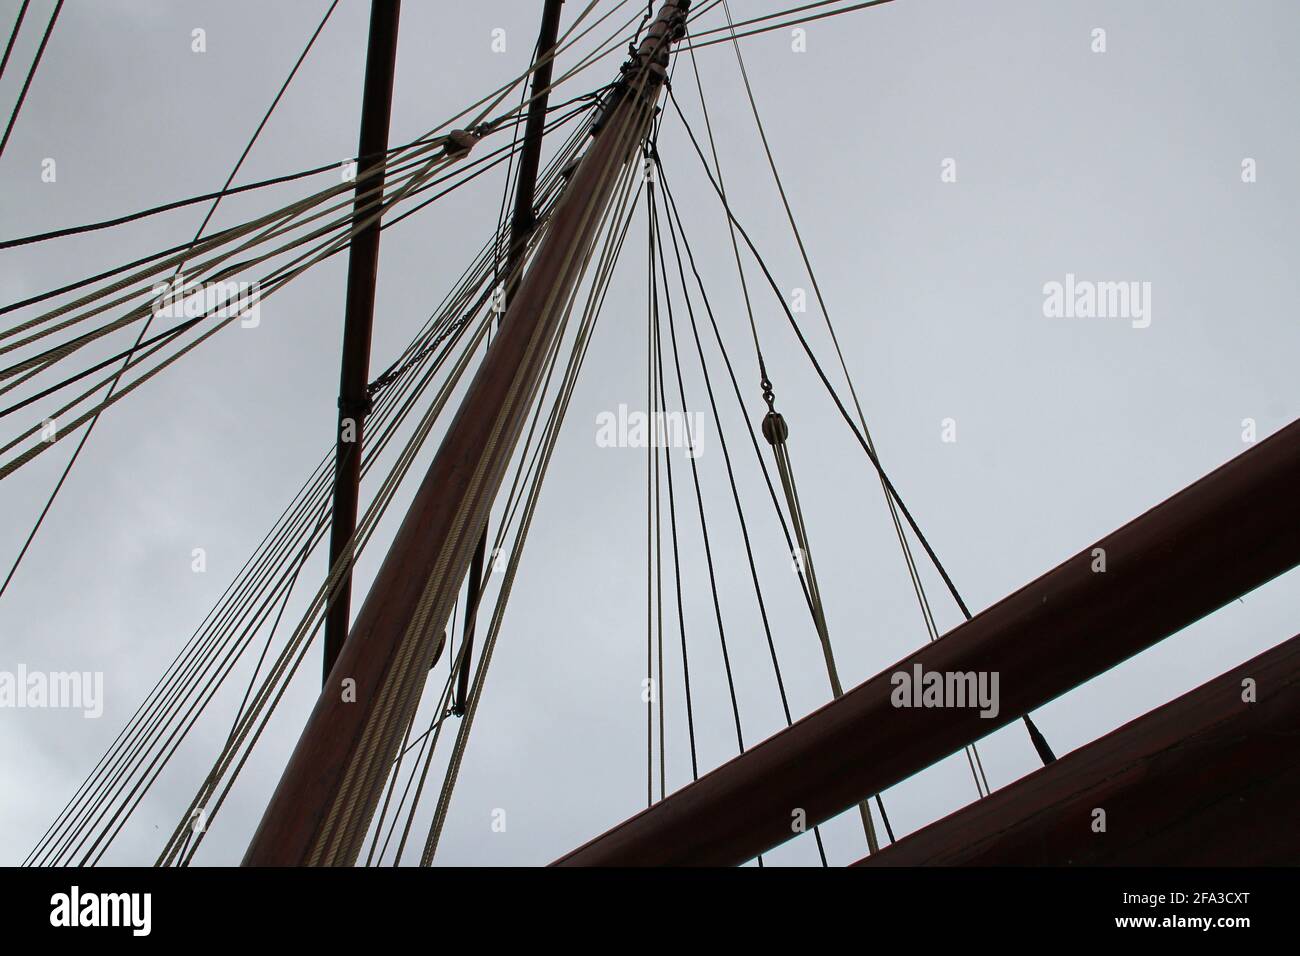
[(618, 226), (773, 426), (972, 753), (276, 280), (76, 453), (369, 523), (695, 477), (484, 261), (1040, 743), (352, 831)]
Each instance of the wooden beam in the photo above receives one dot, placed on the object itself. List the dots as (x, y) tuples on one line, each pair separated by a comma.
[(1209, 779), (1228, 533)]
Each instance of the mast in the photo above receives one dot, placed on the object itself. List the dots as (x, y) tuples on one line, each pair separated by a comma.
[(327, 795), (359, 314), (522, 223)]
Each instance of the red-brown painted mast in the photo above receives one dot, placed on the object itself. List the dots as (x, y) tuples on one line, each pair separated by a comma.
[(1230, 532), (327, 795), (359, 313)]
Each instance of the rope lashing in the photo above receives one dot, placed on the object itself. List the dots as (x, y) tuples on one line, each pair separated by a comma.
[(459, 143), (357, 409)]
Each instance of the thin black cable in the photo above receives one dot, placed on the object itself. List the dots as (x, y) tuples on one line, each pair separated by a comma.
[(31, 74), (1040, 743), (695, 475), (267, 116), (731, 477), (22, 12), (672, 523), (652, 469), (871, 456)]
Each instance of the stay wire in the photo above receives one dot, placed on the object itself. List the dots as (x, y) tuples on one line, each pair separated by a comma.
[(18, 24), (731, 477), (699, 498), (972, 754), (319, 468), (323, 464), (618, 224), (280, 277), (364, 532), (672, 525), (1039, 742), (31, 73), (652, 455), (867, 449)]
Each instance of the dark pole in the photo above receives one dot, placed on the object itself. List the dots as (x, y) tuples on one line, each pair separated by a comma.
[(359, 312), (327, 795), (1230, 532), (522, 223)]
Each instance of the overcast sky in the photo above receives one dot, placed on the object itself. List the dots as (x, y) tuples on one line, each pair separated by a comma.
[(1124, 165)]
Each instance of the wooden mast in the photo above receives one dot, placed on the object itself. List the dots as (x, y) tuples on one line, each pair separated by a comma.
[(359, 314), (327, 795)]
